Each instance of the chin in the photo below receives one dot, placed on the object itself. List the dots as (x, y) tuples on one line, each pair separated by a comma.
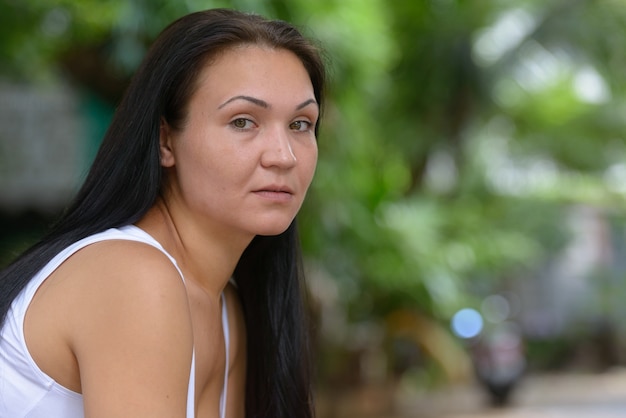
[(271, 232), (272, 229)]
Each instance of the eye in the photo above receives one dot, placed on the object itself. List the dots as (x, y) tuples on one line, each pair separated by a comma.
[(300, 125), (242, 123)]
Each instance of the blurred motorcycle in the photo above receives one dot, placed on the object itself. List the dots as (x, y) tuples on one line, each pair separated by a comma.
[(499, 361), (496, 348)]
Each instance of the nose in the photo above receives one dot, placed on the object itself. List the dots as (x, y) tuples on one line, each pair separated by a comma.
[(278, 151)]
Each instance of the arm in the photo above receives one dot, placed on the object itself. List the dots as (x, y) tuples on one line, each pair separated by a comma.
[(132, 334)]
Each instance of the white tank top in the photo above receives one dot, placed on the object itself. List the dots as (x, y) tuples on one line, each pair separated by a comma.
[(25, 390)]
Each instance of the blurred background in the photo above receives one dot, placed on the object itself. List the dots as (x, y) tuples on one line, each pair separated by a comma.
[(465, 236)]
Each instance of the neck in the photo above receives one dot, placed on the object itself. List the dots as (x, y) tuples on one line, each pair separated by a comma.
[(206, 257)]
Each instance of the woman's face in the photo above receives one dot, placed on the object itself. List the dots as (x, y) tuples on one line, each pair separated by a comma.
[(246, 155)]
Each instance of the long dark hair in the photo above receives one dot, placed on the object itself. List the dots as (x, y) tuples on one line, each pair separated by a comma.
[(126, 179)]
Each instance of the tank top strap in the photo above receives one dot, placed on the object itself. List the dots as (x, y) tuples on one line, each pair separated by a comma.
[(226, 331)]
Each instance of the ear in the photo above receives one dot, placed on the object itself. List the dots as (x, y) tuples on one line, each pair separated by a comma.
[(165, 145)]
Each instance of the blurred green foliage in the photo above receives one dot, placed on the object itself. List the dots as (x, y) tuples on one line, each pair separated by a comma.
[(456, 134)]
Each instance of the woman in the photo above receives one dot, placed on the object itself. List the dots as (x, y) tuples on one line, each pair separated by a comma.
[(172, 283)]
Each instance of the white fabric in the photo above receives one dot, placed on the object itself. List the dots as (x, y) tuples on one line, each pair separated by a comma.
[(226, 361), (25, 390)]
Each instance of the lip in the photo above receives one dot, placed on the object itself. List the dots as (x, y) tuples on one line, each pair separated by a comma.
[(275, 192), (275, 188)]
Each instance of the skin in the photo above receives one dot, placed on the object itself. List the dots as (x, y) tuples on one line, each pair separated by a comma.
[(240, 167)]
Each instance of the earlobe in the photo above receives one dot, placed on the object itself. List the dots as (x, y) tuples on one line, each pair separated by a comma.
[(165, 149)]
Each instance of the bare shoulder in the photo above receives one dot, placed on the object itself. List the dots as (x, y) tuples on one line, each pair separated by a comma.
[(123, 278), (113, 322), (130, 327), (114, 284), (121, 269)]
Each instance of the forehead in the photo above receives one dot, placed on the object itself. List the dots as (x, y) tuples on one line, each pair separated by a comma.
[(255, 70)]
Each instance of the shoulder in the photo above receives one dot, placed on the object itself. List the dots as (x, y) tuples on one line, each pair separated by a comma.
[(121, 283), (130, 306), (121, 267)]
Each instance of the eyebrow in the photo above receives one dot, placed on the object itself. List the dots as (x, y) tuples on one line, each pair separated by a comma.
[(306, 103), (263, 103)]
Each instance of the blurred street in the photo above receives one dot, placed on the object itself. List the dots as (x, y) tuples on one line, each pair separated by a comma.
[(546, 396)]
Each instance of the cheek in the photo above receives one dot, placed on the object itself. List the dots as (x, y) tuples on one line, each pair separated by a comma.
[(194, 166), (309, 163)]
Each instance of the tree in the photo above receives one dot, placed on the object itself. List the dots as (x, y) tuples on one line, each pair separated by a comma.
[(457, 133)]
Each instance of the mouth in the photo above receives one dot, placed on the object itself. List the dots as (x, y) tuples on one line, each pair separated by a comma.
[(275, 189), (275, 192)]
